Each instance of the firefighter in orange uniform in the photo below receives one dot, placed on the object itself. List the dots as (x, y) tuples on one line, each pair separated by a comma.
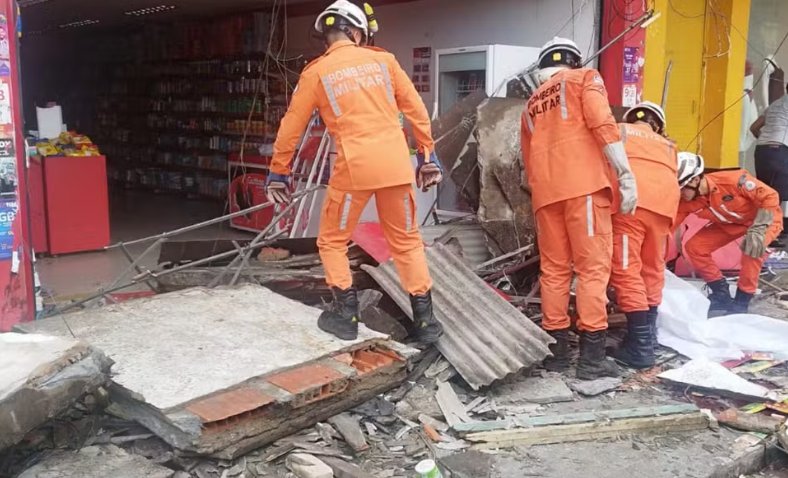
[(358, 92), (639, 241), (568, 137), (737, 206)]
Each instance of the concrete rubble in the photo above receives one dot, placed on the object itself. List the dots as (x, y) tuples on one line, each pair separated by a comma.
[(41, 377), (240, 398), (100, 461), (239, 382)]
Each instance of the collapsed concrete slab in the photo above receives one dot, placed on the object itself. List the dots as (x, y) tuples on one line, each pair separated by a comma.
[(504, 206), (225, 371), (102, 461), (41, 377)]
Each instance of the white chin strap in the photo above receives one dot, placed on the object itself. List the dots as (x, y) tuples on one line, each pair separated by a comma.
[(546, 73)]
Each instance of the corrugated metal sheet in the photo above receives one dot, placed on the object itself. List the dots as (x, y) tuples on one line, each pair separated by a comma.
[(485, 337), (472, 238)]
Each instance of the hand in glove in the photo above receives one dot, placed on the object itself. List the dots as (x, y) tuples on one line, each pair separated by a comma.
[(277, 188), (628, 191), (754, 244), (430, 173)]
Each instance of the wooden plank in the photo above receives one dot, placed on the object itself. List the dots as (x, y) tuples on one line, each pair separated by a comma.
[(588, 431), (583, 417), (484, 426), (451, 406)]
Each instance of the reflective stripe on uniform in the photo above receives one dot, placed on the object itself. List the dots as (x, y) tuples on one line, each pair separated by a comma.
[(387, 78), (623, 134), (730, 212), (564, 113), (528, 120), (590, 215), (784, 207), (408, 219), (625, 252), (718, 215), (345, 212), (331, 98)]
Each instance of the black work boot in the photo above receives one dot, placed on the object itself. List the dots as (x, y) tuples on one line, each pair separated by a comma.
[(653, 313), (593, 364), (637, 350), (741, 303), (342, 319), (720, 295), (428, 329), (559, 362)]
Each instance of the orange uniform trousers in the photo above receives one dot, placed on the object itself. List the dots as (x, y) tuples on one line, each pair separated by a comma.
[(575, 233), (397, 214), (699, 248), (639, 259)]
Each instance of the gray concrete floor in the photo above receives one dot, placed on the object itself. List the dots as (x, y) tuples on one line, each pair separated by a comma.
[(133, 215)]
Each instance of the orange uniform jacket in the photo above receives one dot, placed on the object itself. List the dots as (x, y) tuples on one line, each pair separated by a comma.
[(358, 93), (570, 121), (654, 162), (734, 198)]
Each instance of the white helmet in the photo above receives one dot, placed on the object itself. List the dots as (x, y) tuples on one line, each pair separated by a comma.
[(556, 45), (648, 106), (352, 15), (691, 166)]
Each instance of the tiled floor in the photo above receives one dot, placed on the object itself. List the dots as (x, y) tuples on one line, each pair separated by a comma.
[(133, 215)]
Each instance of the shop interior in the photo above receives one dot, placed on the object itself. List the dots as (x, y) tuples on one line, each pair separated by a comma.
[(145, 120)]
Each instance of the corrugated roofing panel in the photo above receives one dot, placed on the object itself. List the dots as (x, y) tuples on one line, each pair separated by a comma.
[(472, 238), (485, 337)]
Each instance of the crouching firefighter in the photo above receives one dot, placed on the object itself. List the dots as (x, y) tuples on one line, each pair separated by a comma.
[(568, 137), (737, 206), (358, 92), (638, 275)]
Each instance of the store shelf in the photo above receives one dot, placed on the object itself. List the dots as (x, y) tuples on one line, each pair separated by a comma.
[(221, 173), (168, 192), (185, 96), (209, 134), (186, 114)]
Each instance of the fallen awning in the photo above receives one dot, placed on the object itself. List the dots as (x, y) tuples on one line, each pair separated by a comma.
[(485, 337)]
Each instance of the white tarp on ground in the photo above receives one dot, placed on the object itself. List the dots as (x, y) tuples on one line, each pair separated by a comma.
[(684, 327)]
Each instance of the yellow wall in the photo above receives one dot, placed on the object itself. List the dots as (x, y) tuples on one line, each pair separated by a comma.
[(707, 74)]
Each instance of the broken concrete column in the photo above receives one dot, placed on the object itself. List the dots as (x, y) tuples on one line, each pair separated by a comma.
[(308, 466), (41, 377), (504, 206)]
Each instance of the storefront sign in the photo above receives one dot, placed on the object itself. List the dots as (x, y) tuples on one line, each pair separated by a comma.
[(7, 148), (422, 59), (5, 104), (631, 65), (7, 215)]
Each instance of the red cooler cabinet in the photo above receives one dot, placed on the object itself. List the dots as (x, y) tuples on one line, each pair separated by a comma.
[(70, 197)]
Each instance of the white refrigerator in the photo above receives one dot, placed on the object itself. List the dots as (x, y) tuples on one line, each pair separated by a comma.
[(459, 72)]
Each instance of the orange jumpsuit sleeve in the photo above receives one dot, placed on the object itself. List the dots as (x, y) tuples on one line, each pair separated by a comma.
[(766, 198), (412, 106), (302, 105), (596, 110), (685, 209)]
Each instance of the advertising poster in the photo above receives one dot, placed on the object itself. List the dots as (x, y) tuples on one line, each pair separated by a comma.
[(7, 215)]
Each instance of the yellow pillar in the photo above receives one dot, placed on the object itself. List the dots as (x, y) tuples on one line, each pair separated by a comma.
[(724, 57), (700, 87)]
